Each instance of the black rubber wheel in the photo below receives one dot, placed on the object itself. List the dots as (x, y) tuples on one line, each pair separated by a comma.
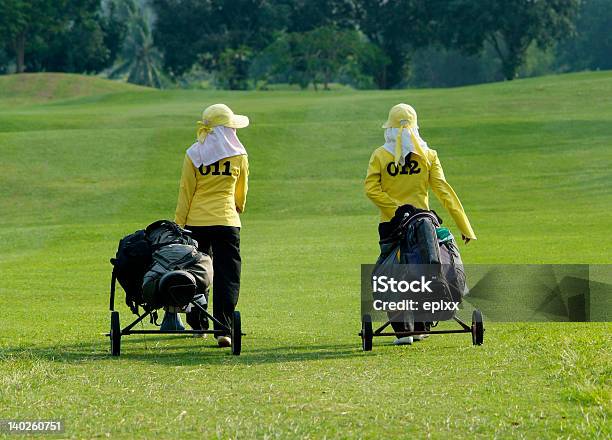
[(367, 334), (115, 334), (477, 328), (236, 334)]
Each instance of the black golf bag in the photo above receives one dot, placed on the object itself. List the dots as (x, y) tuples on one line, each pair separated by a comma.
[(160, 266), (418, 240)]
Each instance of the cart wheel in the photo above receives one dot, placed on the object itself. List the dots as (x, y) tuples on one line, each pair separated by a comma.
[(366, 333), (236, 334), (477, 328), (115, 334)]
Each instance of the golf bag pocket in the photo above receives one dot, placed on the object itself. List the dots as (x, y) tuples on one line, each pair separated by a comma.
[(179, 275), (420, 244), (442, 291), (452, 268), (131, 261), (389, 254)]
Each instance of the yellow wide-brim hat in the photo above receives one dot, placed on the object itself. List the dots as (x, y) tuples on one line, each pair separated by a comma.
[(401, 115), (219, 115)]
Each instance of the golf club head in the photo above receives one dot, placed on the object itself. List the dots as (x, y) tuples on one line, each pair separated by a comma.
[(177, 287)]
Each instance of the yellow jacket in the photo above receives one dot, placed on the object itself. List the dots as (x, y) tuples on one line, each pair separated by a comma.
[(389, 186), (213, 195)]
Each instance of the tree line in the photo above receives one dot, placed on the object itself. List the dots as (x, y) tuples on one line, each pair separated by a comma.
[(242, 44)]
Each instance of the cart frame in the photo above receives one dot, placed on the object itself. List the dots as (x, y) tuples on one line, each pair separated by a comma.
[(116, 332)]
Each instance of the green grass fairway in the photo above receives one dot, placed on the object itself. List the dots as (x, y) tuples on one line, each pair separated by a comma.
[(85, 161)]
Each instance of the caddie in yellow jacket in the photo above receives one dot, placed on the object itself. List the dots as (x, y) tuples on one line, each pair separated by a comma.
[(212, 194), (403, 170)]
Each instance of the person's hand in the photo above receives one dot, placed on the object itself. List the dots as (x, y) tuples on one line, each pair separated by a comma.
[(465, 239)]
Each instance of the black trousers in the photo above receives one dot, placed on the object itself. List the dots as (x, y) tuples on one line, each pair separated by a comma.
[(222, 243), (384, 230)]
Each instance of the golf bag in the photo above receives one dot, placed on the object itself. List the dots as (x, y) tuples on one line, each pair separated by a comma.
[(418, 240), (134, 257), (179, 275)]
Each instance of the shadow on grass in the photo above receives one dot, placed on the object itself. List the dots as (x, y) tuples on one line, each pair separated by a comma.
[(194, 353), (179, 350)]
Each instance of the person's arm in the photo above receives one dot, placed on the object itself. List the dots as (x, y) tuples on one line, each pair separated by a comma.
[(373, 189), (242, 186), (186, 192), (449, 200)]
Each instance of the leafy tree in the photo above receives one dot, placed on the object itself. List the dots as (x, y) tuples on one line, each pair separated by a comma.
[(320, 56), (23, 23), (510, 26), (113, 22), (4, 61), (289, 59), (180, 29), (365, 65), (77, 44), (273, 64), (211, 33), (306, 15), (591, 46), (439, 67), (56, 35), (323, 51), (233, 68), (335, 51), (397, 28), (140, 60)]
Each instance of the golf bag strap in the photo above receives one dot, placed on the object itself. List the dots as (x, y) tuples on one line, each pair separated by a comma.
[(158, 246), (176, 228), (425, 214), (155, 225), (398, 232)]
